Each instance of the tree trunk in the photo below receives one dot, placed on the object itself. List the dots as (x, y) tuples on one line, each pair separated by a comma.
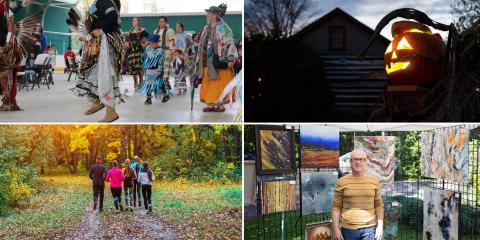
[(123, 140), (238, 137), (129, 143), (135, 140), (75, 156), (67, 154)]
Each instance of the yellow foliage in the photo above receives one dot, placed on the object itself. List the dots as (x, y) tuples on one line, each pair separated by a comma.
[(18, 191), (111, 156), (115, 145), (231, 166)]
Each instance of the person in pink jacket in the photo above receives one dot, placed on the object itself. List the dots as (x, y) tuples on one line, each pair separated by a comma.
[(115, 177)]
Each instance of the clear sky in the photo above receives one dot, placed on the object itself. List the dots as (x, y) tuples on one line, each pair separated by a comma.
[(370, 12)]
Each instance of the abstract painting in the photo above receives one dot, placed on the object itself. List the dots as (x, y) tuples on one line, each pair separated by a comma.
[(278, 196), (275, 149), (445, 154), (318, 231), (390, 229), (317, 191), (440, 215), (380, 152), (320, 146)]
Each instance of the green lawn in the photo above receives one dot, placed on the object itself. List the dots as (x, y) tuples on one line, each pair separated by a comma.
[(57, 204)]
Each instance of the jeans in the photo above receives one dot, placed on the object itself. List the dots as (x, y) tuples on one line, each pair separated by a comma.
[(98, 191), (147, 195), (128, 195), (367, 233)]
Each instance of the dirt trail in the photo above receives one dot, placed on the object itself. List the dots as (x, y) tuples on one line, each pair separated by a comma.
[(123, 225)]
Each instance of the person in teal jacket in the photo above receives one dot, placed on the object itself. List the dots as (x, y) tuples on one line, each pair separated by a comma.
[(137, 188)]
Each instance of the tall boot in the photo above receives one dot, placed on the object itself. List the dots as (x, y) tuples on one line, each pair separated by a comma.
[(110, 116), (95, 106)]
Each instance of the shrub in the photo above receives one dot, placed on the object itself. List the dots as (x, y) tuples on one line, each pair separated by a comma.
[(224, 172)]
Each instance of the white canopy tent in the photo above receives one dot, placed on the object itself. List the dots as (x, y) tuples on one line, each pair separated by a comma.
[(385, 127)]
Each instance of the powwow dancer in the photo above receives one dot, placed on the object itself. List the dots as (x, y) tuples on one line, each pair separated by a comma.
[(179, 73), (102, 56), (16, 42), (153, 63), (215, 58), (135, 50)]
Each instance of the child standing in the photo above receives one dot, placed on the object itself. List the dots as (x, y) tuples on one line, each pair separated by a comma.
[(153, 63), (130, 174), (115, 177), (145, 179), (179, 73)]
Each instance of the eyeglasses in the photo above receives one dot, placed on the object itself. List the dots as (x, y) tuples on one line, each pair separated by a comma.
[(360, 160)]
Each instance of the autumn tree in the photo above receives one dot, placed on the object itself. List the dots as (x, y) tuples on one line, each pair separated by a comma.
[(275, 18)]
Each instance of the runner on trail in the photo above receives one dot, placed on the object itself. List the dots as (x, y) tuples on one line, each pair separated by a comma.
[(97, 174), (145, 179), (136, 186), (115, 177), (130, 174)]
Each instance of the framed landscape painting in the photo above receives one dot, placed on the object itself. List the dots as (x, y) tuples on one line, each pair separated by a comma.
[(319, 146)]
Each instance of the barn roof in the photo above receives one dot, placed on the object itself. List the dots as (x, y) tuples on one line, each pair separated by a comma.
[(339, 12)]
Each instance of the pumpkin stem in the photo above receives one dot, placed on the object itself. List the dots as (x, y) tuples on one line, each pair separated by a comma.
[(407, 13)]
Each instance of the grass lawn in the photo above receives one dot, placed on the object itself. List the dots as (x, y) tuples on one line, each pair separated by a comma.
[(56, 205), (270, 227), (193, 210)]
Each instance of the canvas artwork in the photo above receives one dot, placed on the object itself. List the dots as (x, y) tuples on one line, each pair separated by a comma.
[(319, 231), (317, 191), (320, 146), (275, 150), (440, 215), (445, 154), (390, 229), (278, 196), (380, 152)]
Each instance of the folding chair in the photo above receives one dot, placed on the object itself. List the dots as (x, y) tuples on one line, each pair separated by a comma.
[(73, 68)]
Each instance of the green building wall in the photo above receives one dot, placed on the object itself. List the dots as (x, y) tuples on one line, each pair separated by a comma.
[(193, 23), (58, 33)]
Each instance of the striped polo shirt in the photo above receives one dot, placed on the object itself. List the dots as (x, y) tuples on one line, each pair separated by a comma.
[(358, 199)]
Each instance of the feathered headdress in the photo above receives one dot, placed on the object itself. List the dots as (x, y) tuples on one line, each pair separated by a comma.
[(24, 40), (75, 20)]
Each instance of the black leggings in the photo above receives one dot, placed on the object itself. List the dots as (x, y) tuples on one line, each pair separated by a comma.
[(147, 195), (117, 196), (137, 190)]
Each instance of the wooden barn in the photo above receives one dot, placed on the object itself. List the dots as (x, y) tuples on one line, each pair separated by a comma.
[(337, 38)]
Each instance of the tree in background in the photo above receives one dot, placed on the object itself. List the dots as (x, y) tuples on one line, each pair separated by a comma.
[(274, 18), (186, 152), (465, 12)]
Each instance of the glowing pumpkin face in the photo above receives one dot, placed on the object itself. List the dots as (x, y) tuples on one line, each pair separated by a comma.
[(415, 55)]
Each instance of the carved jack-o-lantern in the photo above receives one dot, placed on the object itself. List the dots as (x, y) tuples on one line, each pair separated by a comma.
[(415, 55)]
